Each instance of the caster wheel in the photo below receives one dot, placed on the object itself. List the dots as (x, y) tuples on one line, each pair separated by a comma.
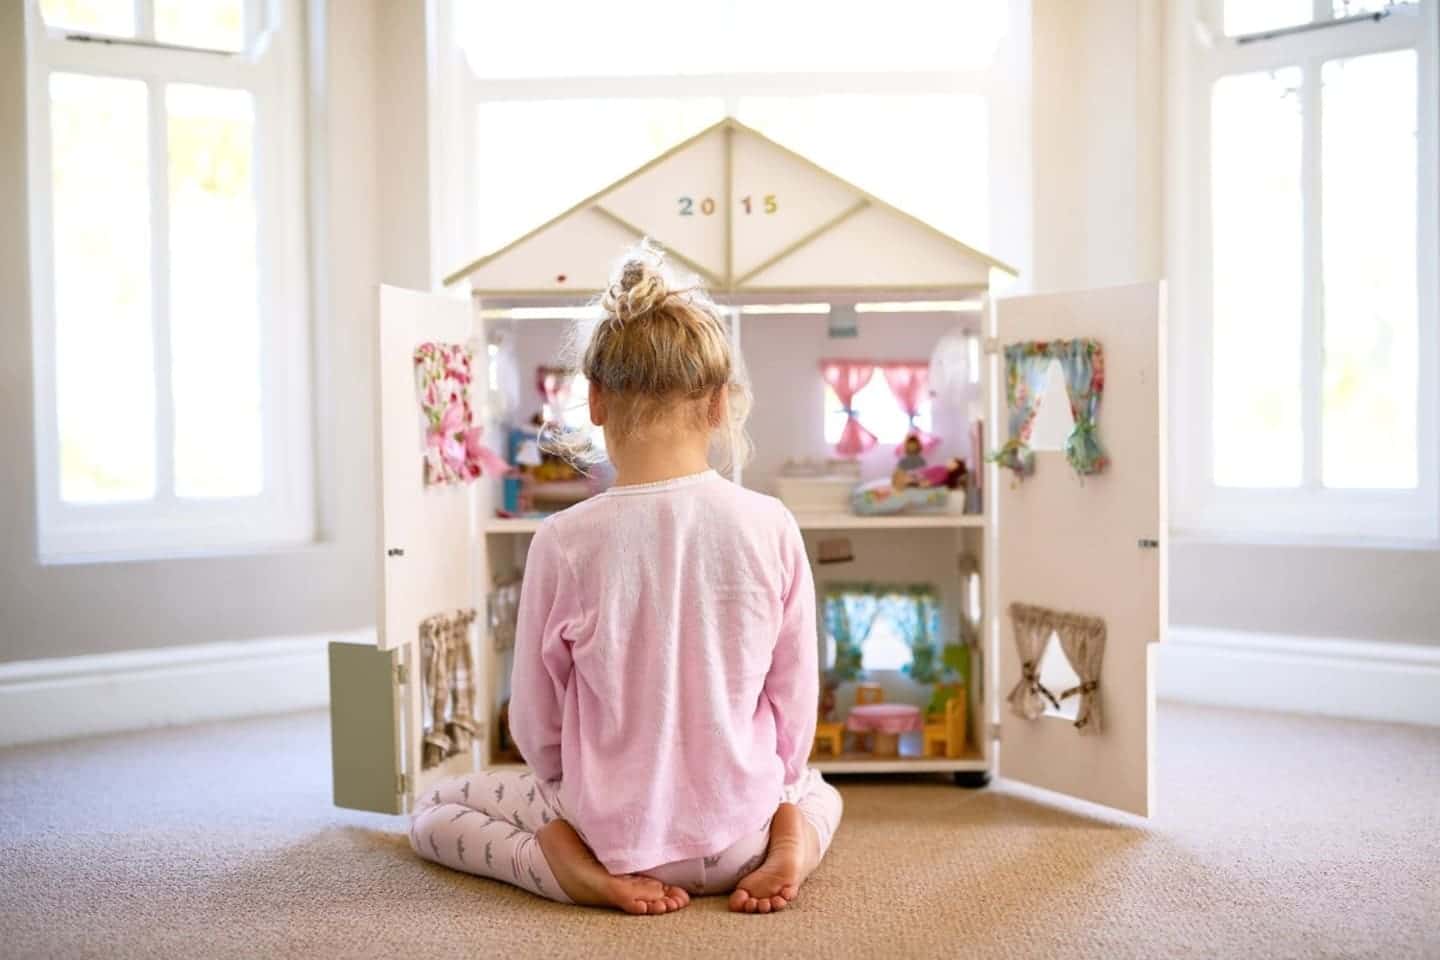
[(972, 779)]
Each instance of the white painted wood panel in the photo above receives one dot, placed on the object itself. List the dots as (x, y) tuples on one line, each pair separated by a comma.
[(431, 525), (680, 202), (875, 248), (805, 198), (1073, 545), (574, 255)]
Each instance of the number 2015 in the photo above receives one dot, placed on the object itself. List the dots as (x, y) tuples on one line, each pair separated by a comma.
[(707, 205)]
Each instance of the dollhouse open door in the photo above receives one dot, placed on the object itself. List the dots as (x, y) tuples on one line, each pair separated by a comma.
[(1080, 595), (377, 706)]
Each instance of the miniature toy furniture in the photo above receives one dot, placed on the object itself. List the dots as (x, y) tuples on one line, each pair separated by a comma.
[(945, 737), (763, 227), (831, 734), (885, 722), (869, 693)]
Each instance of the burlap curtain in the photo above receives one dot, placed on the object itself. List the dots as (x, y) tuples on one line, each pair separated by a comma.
[(1082, 638)]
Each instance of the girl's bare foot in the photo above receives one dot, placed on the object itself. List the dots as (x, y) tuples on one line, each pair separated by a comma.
[(587, 882), (792, 854)]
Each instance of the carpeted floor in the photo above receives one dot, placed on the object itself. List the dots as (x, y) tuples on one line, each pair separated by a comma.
[(1278, 837)]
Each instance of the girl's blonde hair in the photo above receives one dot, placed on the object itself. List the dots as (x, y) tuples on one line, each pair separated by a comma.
[(657, 352)]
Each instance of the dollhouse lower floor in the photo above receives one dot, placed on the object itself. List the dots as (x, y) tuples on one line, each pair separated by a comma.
[(901, 668)]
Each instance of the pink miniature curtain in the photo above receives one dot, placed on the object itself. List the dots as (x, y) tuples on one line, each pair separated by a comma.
[(909, 383), (847, 378), (553, 385)]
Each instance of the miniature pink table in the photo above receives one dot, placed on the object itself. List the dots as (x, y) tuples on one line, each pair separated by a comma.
[(886, 721)]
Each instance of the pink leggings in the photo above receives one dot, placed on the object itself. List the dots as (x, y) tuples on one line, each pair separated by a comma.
[(485, 823)]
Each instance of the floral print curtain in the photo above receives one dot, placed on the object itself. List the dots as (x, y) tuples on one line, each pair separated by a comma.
[(453, 449), (913, 609), (1026, 366)]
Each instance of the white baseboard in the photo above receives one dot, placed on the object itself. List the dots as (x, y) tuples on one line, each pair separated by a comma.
[(1397, 682), (135, 690)]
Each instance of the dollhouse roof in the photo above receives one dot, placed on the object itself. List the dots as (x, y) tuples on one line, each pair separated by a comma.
[(744, 214)]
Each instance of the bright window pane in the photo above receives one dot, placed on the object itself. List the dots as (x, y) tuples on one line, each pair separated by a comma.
[(1368, 170), (1258, 279), (894, 147), (885, 647), (656, 37), (878, 410), (214, 321), (113, 17), (861, 35), (1255, 16), (571, 149), (212, 24), (104, 350)]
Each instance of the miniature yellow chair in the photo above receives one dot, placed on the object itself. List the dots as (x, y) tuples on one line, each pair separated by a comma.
[(869, 693), (832, 735), (946, 738)]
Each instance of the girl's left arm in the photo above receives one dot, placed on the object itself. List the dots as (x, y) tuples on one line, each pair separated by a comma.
[(549, 609)]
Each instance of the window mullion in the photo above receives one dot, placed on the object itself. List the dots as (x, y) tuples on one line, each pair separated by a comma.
[(145, 20), (160, 294), (1312, 329)]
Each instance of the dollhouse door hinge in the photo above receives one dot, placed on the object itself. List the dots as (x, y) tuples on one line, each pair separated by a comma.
[(995, 732), (402, 783), (402, 675)]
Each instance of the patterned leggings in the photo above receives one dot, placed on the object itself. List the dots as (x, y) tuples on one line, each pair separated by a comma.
[(485, 823)]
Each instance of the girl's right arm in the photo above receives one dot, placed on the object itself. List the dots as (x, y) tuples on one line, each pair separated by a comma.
[(793, 684), (549, 610)]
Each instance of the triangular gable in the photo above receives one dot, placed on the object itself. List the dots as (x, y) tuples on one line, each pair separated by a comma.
[(742, 213)]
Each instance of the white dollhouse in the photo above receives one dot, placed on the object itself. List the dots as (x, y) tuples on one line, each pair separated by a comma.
[(1053, 578)]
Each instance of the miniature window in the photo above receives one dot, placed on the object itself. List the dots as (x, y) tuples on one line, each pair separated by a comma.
[(881, 627), (576, 413), (877, 409), (1057, 675), (1053, 421)]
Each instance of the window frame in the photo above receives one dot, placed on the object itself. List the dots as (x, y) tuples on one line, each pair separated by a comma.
[(1309, 513), (271, 69)]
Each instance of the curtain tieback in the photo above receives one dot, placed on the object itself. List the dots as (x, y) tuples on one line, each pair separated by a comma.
[(1030, 679), (850, 412), (1090, 687)]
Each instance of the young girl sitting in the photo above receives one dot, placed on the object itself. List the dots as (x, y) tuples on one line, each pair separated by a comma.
[(665, 683)]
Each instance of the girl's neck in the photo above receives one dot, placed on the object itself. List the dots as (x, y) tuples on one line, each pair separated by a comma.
[(651, 461)]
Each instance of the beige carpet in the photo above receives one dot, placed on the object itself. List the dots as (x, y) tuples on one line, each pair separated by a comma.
[(1278, 837)]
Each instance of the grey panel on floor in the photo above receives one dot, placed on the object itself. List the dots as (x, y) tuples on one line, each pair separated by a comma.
[(364, 728)]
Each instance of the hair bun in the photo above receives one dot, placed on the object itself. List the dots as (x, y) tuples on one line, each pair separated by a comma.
[(631, 274), (640, 288)]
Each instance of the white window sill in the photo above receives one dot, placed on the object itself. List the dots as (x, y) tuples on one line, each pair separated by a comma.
[(162, 554), (1250, 538)]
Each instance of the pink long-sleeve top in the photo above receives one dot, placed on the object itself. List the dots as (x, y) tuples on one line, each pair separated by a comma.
[(665, 666)]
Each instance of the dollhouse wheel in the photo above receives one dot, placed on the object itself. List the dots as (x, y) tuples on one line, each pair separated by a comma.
[(972, 779)]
